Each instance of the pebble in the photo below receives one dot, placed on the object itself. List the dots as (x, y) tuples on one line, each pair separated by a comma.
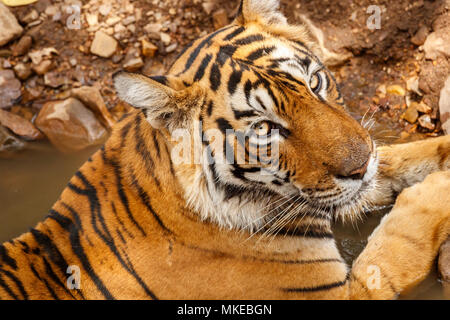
[(421, 35), (43, 67), (92, 98), (208, 7), (22, 70), (22, 46), (103, 45), (165, 38), (105, 9), (55, 79), (20, 126), (9, 27), (411, 114), (171, 48), (425, 122), (396, 90), (9, 88), (148, 49), (69, 125)]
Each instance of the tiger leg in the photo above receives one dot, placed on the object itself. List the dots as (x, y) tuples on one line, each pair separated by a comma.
[(402, 249), (403, 165)]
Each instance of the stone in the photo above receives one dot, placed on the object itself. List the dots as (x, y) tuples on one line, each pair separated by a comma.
[(105, 9), (10, 88), (20, 126), (421, 35), (422, 107), (103, 45), (153, 30), (208, 7), (43, 67), (444, 267), (30, 17), (22, 70), (396, 90), (220, 18), (411, 114), (55, 79), (148, 49), (8, 142), (69, 125), (426, 122), (9, 27), (92, 98), (134, 64), (165, 38), (92, 19), (444, 106), (412, 84), (37, 56), (437, 44), (22, 47), (172, 48)]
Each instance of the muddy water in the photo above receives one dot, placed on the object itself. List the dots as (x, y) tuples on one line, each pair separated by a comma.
[(31, 181)]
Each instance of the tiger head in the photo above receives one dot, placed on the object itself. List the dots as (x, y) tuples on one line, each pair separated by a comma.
[(273, 129)]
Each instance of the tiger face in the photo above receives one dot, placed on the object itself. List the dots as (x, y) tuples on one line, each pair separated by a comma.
[(270, 119)]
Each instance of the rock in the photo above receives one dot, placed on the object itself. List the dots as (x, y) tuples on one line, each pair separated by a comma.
[(153, 30), (220, 18), (444, 106), (437, 44), (92, 98), (148, 49), (8, 142), (411, 114), (29, 17), (208, 7), (412, 84), (10, 88), (69, 125), (55, 79), (422, 107), (43, 67), (92, 19), (129, 20), (421, 35), (172, 48), (165, 38), (425, 122), (105, 9), (38, 55), (444, 267), (103, 45), (20, 126), (396, 90), (22, 47), (9, 27), (133, 65), (22, 70)]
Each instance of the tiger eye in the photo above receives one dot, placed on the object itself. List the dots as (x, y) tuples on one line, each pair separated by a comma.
[(263, 128)]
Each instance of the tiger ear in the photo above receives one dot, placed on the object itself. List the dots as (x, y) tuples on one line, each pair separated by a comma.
[(263, 11), (162, 105)]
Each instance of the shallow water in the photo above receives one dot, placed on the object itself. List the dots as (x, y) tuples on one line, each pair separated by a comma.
[(31, 181)]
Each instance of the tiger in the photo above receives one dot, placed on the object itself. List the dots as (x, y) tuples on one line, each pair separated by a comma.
[(139, 223)]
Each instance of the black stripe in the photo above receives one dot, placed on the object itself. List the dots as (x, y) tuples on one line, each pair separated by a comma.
[(249, 40), (224, 125), (316, 288), (215, 77), (202, 68), (234, 80), (194, 54), (8, 290), (210, 108), (6, 258), (234, 34), (18, 283), (259, 53)]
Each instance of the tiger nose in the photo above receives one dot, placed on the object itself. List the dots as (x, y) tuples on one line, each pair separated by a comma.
[(354, 166), (356, 174)]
